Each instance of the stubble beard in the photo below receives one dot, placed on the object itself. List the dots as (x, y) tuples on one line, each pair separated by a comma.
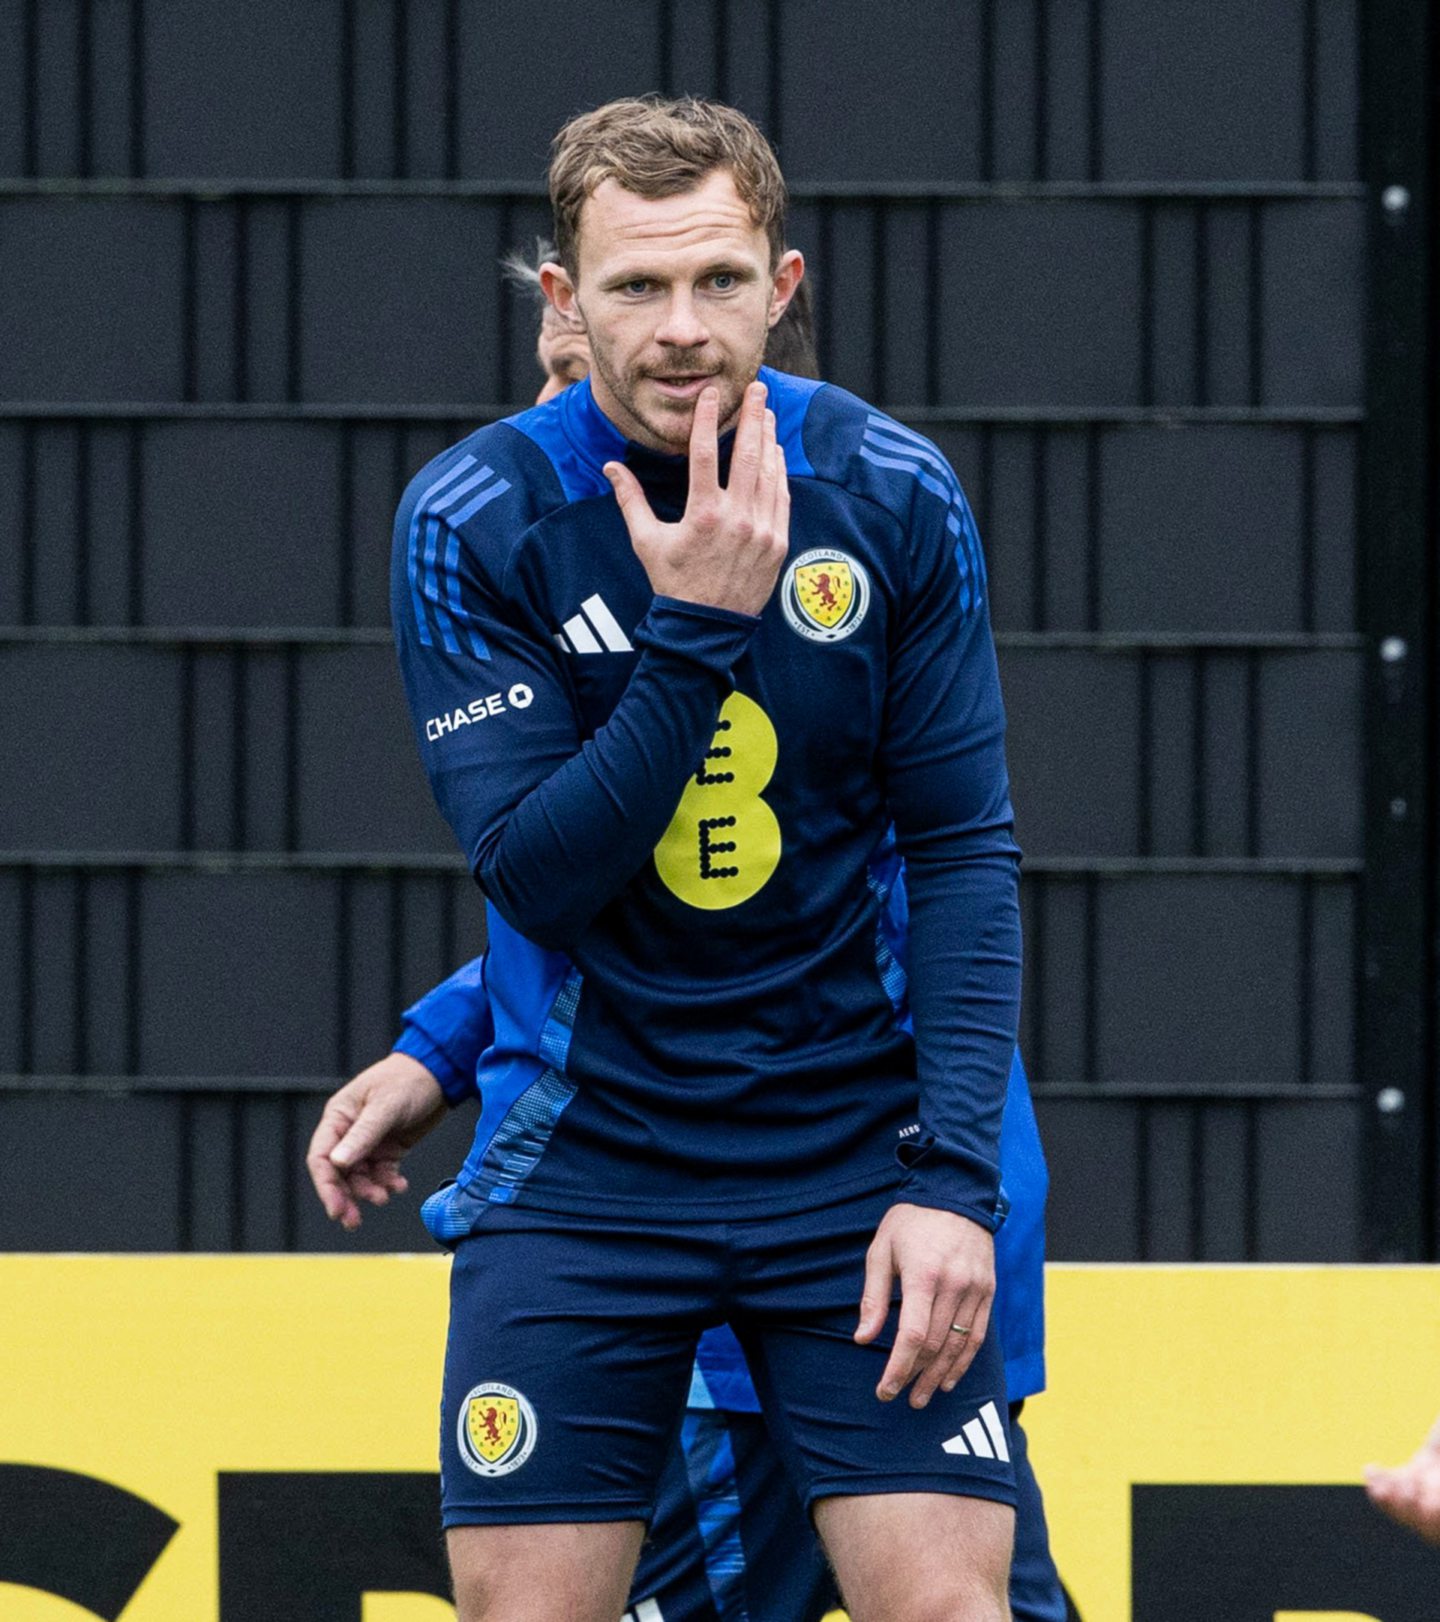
[(668, 429)]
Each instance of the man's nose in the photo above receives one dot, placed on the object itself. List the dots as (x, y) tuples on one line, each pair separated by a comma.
[(681, 326)]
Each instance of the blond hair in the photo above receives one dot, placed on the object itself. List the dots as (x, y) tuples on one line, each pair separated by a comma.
[(657, 147)]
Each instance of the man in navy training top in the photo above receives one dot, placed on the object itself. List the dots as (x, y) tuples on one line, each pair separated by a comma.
[(728, 1541), (684, 759)]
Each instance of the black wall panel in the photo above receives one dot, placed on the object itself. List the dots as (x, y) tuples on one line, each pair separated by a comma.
[(1113, 527), (219, 549), (92, 745), (94, 294), (1111, 255), (395, 299), (284, 746), (1193, 983), (242, 90), (206, 968), (935, 92)]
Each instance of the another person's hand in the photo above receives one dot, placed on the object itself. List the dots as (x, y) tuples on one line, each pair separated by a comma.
[(727, 550), (946, 1267), (1410, 1493), (364, 1131)]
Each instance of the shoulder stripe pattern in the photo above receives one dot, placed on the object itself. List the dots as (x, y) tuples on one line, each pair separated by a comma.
[(886, 444), (435, 577)]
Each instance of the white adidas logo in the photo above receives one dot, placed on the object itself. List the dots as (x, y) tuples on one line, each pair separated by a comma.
[(593, 630), (985, 1440)]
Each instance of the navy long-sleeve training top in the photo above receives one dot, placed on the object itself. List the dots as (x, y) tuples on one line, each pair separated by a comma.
[(704, 837)]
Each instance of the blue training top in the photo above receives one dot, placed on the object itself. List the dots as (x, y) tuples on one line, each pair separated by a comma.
[(450, 1028), (690, 824)]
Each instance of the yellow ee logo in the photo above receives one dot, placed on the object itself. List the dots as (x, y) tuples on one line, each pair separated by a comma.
[(723, 842)]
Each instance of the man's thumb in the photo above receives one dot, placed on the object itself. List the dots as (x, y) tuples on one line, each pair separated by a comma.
[(357, 1143)]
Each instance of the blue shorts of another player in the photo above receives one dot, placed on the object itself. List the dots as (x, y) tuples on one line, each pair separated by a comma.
[(730, 1542)]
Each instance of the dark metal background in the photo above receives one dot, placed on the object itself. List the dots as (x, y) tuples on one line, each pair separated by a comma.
[(1113, 255)]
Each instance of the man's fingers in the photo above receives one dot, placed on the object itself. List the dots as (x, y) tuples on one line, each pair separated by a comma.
[(335, 1196), (908, 1355), (749, 443), (780, 513), (327, 1181), (634, 508), (976, 1313), (388, 1172), (769, 477), (369, 1129), (875, 1297), (705, 446), (368, 1187), (944, 1344)]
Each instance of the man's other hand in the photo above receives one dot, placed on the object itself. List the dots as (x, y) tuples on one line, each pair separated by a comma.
[(946, 1267), (364, 1131), (727, 550), (1410, 1493)]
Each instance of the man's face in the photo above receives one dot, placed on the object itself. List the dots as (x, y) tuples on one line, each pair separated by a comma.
[(675, 293), (563, 353)]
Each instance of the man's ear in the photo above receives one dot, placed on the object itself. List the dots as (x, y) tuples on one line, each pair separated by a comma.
[(559, 292), (789, 273)]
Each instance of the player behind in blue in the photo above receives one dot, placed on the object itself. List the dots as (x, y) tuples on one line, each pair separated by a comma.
[(684, 744), (728, 1541)]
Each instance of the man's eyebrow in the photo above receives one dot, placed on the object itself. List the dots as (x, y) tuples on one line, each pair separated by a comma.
[(620, 277)]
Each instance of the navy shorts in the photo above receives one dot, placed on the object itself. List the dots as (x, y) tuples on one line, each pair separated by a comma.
[(729, 1538), (571, 1340)]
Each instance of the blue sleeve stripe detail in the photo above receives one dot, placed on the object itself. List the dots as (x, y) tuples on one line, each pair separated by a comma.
[(452, 591), (882, 435), (435, 577), (928, 480), (968, 554), (452, 495), (970, 540), (417, 600), (432, 586), (472, 507), (900, 431)]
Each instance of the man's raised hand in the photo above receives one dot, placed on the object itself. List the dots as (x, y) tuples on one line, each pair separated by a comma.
[(727, 550)]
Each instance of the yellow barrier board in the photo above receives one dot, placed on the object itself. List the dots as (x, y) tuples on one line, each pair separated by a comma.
[(194, 1439)]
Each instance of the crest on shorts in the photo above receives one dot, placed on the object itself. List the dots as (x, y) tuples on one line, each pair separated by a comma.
[(497, 1429), (825, 594)]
